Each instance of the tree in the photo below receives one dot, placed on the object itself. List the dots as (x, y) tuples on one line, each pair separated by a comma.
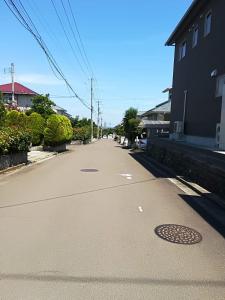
[(2, 110), (119, 130), (130, 124), (42, 105)]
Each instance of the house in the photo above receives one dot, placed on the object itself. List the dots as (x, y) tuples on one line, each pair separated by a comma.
[(23, 98), (22, 95), (156, 121), (61, 111), (198, 99)]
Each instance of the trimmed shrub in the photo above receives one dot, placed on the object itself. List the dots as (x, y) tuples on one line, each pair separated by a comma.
[(13, 140), (16, 119), (36, 125), (58, 130)]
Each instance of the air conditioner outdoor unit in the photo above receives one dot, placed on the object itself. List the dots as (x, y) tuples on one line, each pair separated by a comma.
[(178, 127)]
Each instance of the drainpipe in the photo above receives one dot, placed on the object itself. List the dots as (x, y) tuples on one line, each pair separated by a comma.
[(185, 104)]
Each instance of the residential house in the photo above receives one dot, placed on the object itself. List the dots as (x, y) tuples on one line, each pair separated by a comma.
[(61, 111), (23, 98), (198, 99), (22, 95), (156, 121)]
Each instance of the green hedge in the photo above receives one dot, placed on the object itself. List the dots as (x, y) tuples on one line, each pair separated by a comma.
[(58, 130), (36, 125), (13, 140)]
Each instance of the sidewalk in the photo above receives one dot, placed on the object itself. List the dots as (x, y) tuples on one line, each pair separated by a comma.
[(36, 156)]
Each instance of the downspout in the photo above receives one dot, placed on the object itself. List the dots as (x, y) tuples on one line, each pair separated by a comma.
[(185, 105)]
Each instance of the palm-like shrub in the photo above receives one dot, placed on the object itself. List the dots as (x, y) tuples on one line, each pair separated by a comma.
[(58, 130)]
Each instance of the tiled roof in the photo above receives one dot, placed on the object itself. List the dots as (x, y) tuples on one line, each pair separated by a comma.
[(164, 107), (19, 89)]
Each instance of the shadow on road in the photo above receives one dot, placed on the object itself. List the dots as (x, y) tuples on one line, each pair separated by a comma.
[(113, 280), (148, 165), (209, 211)]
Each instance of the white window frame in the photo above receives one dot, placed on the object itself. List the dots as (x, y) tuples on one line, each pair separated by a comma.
[(195, 36), (208, 23), (182, 50)]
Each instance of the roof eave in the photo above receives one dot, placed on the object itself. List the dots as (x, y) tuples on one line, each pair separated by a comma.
[(172, 38)]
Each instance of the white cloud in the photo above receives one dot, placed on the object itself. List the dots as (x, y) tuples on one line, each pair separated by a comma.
[(42, 79)]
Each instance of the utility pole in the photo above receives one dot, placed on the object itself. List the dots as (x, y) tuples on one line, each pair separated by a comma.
[(101, 128), (98, 120), (12, 71), (91, 109)]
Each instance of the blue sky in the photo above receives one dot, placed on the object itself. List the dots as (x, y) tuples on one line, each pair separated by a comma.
[(124, 41)]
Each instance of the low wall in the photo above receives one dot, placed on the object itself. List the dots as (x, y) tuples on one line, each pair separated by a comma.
[(10, 160), (58, 148), (203, 167)]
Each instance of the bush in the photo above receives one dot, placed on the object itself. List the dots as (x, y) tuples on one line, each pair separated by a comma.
[(36, 124), (82, 133), (58, 130), (13, 140), (16, 119)]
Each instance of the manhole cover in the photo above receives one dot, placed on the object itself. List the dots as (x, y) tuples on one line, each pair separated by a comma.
[(89, 170), (178, 234)]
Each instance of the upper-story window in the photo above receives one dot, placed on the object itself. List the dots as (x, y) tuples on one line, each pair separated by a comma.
[(195, 37), (182, 50), (208, 23)]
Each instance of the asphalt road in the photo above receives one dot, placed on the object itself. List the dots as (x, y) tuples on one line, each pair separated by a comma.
[(67, 234)]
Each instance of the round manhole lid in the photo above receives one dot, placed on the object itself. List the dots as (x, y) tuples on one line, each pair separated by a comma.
[(178, 234), (89, 170)]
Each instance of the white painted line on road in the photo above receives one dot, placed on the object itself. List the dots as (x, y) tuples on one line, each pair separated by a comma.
[(140, 209), (126, 175)]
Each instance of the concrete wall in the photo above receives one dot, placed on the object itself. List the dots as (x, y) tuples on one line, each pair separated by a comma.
[(204, 167)]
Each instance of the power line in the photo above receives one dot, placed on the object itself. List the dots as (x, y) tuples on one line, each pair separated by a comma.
[(79, 35), (16, 12), (67, 37), (74, 36)]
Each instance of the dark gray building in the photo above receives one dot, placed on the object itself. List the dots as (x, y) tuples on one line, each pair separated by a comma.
[(198, 98)]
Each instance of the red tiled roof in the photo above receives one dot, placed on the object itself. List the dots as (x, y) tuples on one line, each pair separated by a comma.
[(19, 89)]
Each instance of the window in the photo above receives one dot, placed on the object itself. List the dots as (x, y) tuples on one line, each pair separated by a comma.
[(208, 23), (182, 50), (195, 37)]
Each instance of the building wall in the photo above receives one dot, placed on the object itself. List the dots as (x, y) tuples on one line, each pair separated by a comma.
[(24, 100), (193, 73)]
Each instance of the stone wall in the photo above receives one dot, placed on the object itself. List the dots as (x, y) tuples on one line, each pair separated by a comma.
[(204, 167), (10, 160)]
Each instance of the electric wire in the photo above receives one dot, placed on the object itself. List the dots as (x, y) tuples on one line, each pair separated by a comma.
[(16, 12)]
